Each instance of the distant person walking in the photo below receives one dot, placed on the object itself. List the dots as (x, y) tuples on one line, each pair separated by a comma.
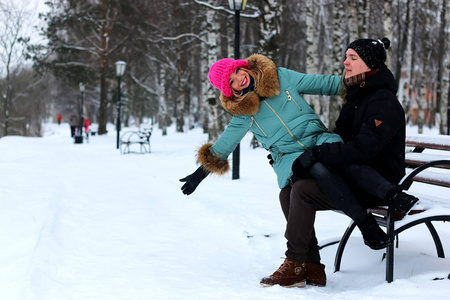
[(73, 122), (59, 119)]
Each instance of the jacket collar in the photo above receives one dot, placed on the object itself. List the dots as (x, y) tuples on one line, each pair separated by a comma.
[(383, 79), (269, 86)]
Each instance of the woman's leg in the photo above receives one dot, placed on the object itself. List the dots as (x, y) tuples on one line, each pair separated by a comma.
[(340, 194), (368, 180), (373, 183), (337, 190)]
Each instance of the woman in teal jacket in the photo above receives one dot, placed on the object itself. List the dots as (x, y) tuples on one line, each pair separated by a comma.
[(267, 101), (275, 113)]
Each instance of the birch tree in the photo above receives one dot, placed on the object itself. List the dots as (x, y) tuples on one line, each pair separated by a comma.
[(388, 27), (402, 25), (411, 50), (269, 28), (443, 62), (312, 51), (212, 123), (339, 48)]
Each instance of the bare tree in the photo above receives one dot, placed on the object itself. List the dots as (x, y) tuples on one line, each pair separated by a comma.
[(13, 26), (80, 39)]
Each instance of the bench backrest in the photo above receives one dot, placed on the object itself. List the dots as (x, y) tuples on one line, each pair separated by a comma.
[(438, 157)]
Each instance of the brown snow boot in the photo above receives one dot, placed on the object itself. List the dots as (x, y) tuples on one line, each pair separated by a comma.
[(315, 274), (291, 273)]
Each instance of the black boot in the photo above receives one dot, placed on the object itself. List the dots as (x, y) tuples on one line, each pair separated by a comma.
[(401, 201), (373, 235)]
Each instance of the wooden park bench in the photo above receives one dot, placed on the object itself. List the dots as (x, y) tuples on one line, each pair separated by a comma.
[(430, 167), (135, 141)]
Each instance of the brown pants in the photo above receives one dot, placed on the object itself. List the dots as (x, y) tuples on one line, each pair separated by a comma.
[(299, 204)]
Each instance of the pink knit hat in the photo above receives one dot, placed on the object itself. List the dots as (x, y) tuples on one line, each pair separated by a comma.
[(220, 71)]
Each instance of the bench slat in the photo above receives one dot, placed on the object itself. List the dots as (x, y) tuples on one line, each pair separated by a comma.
[(439, 142), (428, 146), (417, 159), (433, 181)]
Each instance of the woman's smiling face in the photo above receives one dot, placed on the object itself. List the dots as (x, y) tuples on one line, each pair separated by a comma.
[(239, 80)]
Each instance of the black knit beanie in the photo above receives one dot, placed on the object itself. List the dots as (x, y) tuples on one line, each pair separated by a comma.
[(372, 52)]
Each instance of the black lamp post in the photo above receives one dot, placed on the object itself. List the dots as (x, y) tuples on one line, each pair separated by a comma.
[(79, 133), (237, 6), (120, 69), (82, 88)]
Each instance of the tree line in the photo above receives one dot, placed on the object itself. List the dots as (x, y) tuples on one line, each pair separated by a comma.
[(170, 45)]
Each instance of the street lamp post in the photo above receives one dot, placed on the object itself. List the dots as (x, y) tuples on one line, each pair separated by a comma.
[(82, 88), (237, 6), (120, 69), (79, 134)]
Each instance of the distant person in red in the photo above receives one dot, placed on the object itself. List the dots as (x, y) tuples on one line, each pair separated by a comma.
[(86, 124), (59, 118)]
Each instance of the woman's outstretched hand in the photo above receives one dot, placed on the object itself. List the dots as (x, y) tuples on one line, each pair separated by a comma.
[(193, 180)]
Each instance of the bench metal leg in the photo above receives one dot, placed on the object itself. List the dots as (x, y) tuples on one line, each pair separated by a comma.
[(431, 228), (390, 249), (341, 247), (436, 239), (392, 233)]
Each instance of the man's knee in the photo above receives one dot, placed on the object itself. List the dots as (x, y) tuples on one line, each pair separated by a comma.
[(306, 187), (308, 191), (285, 200)]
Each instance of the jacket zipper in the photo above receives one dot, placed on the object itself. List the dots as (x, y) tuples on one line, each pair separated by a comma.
[(322, 127), (279, 118), (251, 123), (290, 98)]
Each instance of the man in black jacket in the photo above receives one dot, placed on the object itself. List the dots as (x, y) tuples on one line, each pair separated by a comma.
[(372, 125)]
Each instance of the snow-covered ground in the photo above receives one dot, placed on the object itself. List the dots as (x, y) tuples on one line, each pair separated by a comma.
[(82, 221)]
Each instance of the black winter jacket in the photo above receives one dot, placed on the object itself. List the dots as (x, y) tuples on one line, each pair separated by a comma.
[(372, 125)]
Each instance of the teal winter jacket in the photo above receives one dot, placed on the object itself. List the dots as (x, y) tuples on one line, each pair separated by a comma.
[(277, 115)]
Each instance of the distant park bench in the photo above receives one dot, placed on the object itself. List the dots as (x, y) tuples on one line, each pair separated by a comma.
[(135, 141), (429, 168)]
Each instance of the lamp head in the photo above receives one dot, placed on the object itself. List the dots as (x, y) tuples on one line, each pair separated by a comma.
[(237, 4), (120, 68)]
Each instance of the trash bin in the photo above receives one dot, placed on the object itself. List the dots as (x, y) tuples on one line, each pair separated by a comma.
[(78, 139)]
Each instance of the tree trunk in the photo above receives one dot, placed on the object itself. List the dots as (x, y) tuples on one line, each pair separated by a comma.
[(442, 84), (269, 28), (388, 27), (103, 102), (109, 14), (162, 112), (212, 105), (337, 57), (312, 51), (403, 42)]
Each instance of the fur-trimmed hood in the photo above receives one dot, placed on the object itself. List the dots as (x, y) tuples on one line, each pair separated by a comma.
[(269, 86)]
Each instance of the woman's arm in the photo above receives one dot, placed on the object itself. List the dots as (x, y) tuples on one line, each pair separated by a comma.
[(214, 157), (316, 84)]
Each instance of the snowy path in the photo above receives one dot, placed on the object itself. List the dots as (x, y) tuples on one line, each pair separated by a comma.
[(84, 222)]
